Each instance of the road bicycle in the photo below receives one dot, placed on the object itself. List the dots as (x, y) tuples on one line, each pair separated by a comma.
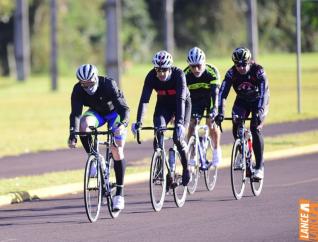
[(200, 155), (100, 185), (242, 161), (165, 167)]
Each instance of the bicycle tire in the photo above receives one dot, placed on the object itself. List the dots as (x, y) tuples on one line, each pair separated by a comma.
[(113, 213), (157, 181), (211, 174), (238, 170), (179, 191), (92, 190), (193, 167), (256, 185)]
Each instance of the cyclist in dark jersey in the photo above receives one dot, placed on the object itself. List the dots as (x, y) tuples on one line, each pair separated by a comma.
[(172, 94), (203, 81), (250, 83), (106, 103)]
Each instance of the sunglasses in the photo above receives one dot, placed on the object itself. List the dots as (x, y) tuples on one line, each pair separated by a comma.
[(241, 64), (157, 69), (87, 84), (196, 66)]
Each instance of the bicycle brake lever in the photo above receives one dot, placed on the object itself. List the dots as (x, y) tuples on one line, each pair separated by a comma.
[(138, 137)]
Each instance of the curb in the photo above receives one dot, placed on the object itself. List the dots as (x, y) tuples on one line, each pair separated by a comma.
[(73, 188)]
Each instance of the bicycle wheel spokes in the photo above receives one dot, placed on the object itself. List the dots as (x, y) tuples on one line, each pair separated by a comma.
[(238, 174), (157, 182), (193, 166), (112, 190), (92, 189), (211, 174), (179, 191)]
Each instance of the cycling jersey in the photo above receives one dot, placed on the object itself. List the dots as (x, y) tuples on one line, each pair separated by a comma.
[(203, 89), (106, 99), (172, 93), (250, 87)]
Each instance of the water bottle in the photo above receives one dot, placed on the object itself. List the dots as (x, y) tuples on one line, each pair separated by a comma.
[(172, 159)]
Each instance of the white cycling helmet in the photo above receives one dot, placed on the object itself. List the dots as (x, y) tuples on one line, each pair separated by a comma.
[(162, 59), (86, 72), (196, 56)]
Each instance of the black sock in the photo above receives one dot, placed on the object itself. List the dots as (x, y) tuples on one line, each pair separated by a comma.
[(86, 142), (120, 167)]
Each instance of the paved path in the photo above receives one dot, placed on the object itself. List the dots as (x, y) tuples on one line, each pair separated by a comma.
[(206, 216), (66, 159)]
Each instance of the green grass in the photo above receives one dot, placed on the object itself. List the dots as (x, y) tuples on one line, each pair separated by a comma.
[(26, 183), (282, 142), (20, 184), (34, 118)]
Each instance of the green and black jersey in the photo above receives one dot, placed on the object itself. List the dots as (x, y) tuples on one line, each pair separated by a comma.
[(203, 88)]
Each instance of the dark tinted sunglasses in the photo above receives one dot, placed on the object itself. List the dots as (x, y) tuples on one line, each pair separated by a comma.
[(157, 69), (87, 84), (241, 64), (196, 66)]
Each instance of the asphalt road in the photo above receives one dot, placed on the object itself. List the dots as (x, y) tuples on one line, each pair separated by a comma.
[(66, 159), (206, 216)]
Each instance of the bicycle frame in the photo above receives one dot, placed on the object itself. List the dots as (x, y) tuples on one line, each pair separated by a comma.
[(160, 145), (243, 166), (158, 174), (200, 142), (106, 186), (242, 135)]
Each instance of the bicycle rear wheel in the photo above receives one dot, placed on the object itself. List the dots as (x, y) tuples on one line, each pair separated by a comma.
[(238, 170), (157, 181), (211, 174), (179, 191), (92, 189), (193, 166), (256, 185), (112, 192)]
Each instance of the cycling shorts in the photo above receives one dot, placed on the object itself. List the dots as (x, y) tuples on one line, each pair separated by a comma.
[(112, 119)]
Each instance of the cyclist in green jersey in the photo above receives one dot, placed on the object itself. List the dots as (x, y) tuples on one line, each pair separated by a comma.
[(203, 81)]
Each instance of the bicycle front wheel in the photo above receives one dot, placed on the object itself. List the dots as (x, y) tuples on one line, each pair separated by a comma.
[(112, 190), (157, 181), (211, 174), (193, 166), (179, 191), (92, 188), (238, 170)]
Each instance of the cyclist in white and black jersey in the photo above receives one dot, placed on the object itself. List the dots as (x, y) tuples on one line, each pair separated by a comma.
[(250, 83), (106, 104)]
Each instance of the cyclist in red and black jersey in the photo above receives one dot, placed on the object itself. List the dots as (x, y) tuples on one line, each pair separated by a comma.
[(173, 100), (203, 81), (106, 104), (250, 83)]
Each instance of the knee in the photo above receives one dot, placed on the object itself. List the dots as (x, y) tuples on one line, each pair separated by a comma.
[(255, 129), (118, 153), (85, 123)]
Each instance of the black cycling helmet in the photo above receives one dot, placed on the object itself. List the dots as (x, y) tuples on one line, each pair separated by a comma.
[(241, 55)]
